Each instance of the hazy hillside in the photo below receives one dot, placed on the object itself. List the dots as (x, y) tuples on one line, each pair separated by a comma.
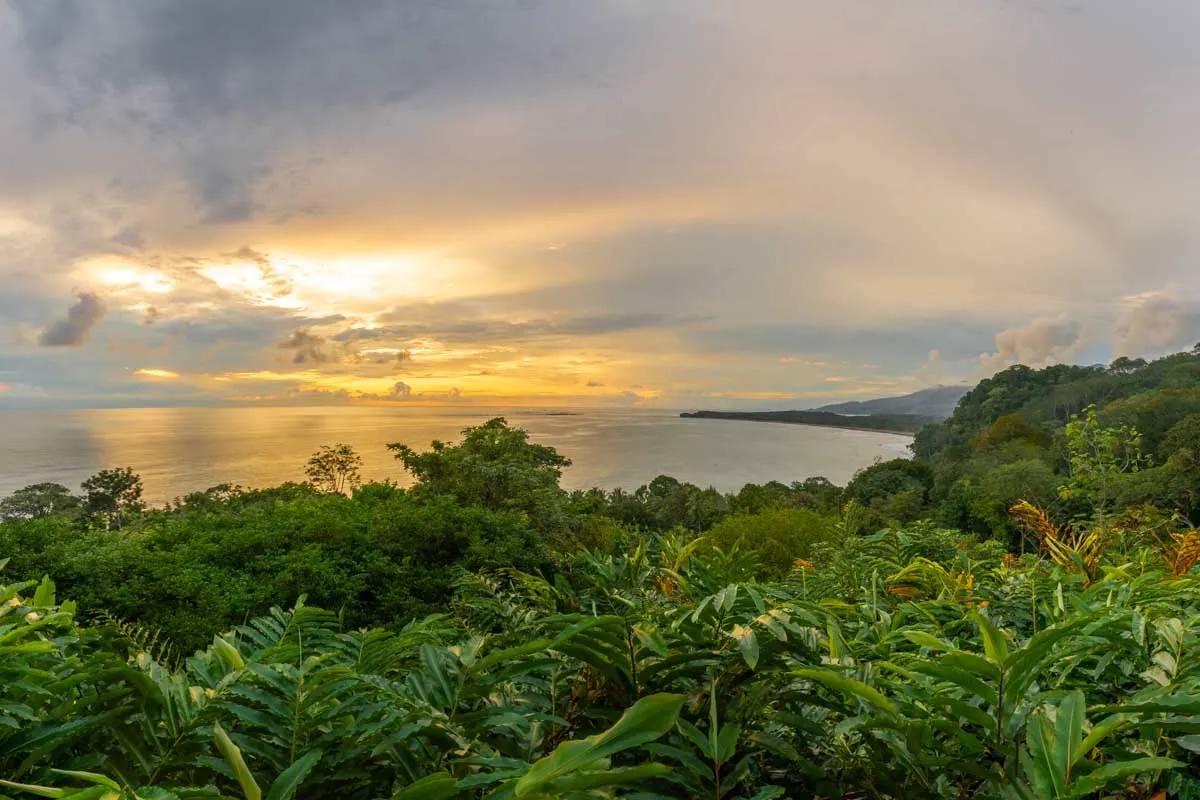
[(895, 423), (933, 404)]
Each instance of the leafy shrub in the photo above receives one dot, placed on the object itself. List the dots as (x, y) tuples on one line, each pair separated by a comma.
[(774, 539)]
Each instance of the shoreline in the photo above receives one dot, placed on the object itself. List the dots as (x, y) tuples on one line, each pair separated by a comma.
[(809, 425)]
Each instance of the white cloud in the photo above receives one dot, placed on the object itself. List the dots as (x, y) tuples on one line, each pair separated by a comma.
[(1038, 344), (933, 371), (1156, 324)]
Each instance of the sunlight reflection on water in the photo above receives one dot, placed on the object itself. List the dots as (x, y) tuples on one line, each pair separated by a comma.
[(178, 450)]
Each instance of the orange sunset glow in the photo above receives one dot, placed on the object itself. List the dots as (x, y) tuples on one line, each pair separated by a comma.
[(652, 205)]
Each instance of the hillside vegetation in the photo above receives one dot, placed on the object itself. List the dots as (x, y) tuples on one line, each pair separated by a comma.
[(937, 403), (1014, 613)]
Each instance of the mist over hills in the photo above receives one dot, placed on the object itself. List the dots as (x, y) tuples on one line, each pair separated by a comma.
[(937, 403)]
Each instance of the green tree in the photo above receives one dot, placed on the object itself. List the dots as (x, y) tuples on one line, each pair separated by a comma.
[(1125, 365), (494, 466), (334, 469), (38, 500), (1099, 456), (112, 494), (892, 491), (818, 493), (1185, 435)]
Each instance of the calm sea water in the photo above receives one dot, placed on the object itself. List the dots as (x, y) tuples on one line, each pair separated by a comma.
[(178, 450)]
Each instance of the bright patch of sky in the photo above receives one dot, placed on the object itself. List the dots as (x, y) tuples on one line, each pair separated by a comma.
[(679, 203)]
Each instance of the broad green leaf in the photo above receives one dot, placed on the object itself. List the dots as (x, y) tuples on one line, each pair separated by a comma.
[(438, 786), (583, 781), (1048, 781), (644, 722), (228, 652), (1068, 732), (285, 786), (837, 645), (768, 793), (233, 757), (965, 711), (92, 793), (685, 757), (695, 737), (1172, 704), (1024, 666), (756, 598), (727, 598), (995, 645), (155, 793), (44, 596), (970, 684), (848, 686), (727, 743), (1100, 778), (747, 643), (502, 656), (714, 724), (1099, 732), (969, 662), (40, 791), (652, 640), (923, 639), (89, 777)]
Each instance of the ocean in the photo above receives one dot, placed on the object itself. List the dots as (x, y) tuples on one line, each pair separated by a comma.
[(179, 450)]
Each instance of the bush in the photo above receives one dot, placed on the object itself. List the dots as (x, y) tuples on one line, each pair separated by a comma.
[(776, 539)]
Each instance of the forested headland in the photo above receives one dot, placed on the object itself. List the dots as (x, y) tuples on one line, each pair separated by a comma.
[(1011, 613), (895, 423)]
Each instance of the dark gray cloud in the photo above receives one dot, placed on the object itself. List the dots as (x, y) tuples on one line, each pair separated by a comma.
[(308, 347), (72, 330), (130, 237)]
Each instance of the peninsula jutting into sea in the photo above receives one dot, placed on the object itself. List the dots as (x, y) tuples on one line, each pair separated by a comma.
[(904, 414)]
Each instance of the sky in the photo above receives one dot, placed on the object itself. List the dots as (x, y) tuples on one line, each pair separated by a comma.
[(675, 204)]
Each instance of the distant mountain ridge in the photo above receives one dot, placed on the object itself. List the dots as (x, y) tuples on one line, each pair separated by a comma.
[(934, 404), (894, 423)]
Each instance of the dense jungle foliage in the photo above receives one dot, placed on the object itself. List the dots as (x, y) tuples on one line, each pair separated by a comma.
[(1012, 613)]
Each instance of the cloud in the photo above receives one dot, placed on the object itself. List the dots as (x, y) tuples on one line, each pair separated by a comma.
[(72, 331), (594, 384), (1038, 344), (933, 371), (309, 348), (437, 177), (130, 237), (309, 394), (459, 323), (1156, 324), (401, 391)]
